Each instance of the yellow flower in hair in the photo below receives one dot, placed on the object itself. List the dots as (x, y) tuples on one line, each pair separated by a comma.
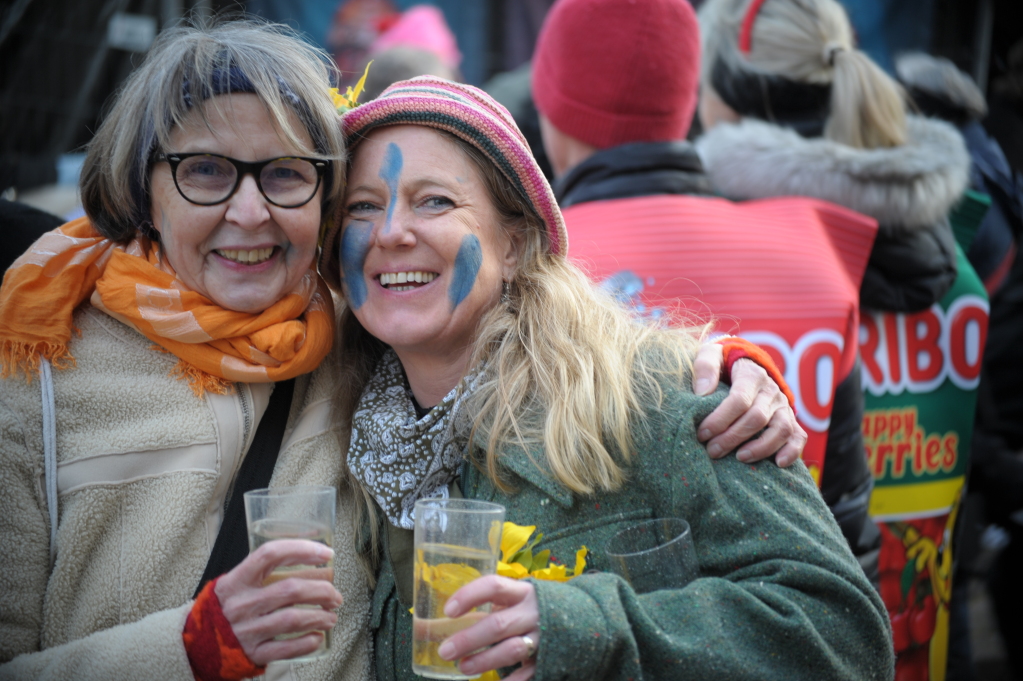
[(350, 99)]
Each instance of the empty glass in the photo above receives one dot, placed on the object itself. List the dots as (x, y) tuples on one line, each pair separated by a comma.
[(656, 554)]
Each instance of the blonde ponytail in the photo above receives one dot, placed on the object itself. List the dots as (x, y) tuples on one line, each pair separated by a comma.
[(808, 41), (868, 109)]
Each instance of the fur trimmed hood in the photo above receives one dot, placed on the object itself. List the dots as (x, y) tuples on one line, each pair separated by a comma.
[(911, 185)]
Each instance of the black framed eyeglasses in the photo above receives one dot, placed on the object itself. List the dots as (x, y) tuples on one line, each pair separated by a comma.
[(208, 179)]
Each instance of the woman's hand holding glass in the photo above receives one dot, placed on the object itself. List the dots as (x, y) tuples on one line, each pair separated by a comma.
[(503, 633), (259, 610)]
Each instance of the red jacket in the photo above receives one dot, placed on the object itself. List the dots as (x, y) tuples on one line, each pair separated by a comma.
[(784, 273)]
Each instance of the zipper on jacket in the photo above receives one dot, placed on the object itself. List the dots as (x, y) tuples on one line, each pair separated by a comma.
[(245, 395)]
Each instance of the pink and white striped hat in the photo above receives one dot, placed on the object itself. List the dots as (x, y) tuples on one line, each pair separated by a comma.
[(474, 116)]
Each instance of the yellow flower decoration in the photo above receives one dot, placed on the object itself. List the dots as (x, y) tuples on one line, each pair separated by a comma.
[(518, 560), (512, 570), (513, 539), (350, 99)]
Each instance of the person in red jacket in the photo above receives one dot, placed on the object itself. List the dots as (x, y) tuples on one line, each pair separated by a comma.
[(784, 273)]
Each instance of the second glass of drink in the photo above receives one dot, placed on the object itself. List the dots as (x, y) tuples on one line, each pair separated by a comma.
[(456, 542)]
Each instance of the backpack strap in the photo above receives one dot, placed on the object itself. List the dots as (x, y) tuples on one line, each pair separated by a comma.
[(232, 544)]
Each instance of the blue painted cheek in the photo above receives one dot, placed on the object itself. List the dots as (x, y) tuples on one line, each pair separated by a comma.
[(390, 172), (467, 266), (354, 248)]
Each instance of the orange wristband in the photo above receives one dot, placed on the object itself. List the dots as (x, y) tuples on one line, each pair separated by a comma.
[(213, 650), (735, 348)]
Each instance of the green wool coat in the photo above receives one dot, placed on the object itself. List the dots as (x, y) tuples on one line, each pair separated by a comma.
[(780, 596)]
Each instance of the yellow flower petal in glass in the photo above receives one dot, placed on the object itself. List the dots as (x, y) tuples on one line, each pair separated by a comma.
[(492, 675), (513, 538), (447, 578), (512, 570)]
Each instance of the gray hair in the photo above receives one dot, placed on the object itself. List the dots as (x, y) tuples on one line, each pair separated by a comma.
[(810, 41), (186, 67)]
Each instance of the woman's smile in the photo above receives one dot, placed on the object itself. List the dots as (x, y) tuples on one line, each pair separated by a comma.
[(405, 280), (422, 248), (248, 257)]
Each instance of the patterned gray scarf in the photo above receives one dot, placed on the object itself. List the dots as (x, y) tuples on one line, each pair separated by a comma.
[(399, 458)]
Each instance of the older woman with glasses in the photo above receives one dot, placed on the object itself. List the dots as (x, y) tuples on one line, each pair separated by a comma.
[(169, 340)]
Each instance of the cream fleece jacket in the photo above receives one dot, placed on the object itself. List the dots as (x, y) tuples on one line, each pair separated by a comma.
[(143, 471)]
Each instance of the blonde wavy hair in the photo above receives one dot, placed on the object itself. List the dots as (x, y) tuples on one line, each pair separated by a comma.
[(810, 41), (570, 370)]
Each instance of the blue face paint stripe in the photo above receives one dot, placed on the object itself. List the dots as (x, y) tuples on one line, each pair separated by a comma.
[(354, 247), (390, 171), (467, 266)]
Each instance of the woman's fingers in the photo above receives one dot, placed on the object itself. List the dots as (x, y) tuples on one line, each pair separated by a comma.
[(507, 653), (270, 651), (525, 672), (793, 448), (707, 368), (754, 404), (783, 436), (258, 630), (260, 601), (258, 565), (500, 591), (502, 629), (728, 425)]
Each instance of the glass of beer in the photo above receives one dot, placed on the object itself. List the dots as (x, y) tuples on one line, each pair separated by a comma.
[(456, 542), (299, 512)]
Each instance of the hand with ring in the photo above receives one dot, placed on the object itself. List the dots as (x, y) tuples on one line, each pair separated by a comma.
[(510, 634)]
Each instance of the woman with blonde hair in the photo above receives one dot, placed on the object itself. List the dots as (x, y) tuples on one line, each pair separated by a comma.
[(482, 363), (790, 107), (170, 341)]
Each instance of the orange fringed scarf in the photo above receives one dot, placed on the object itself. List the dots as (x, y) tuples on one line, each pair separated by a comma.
[(132, 284)]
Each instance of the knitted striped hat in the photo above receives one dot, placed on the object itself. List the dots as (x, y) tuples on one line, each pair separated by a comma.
[(468, 113)]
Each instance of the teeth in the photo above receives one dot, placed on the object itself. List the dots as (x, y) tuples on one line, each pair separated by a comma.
[(247, 257), (390, 278)]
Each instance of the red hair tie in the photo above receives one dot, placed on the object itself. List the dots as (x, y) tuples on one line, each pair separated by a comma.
[(746, 31)]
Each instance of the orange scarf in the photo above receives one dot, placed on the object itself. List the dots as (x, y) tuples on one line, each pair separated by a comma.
[(135, 286)]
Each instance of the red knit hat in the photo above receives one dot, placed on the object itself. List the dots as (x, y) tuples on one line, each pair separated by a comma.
[(609, 72)]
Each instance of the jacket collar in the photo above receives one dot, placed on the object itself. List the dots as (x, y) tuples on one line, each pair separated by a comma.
[(911, 185), (533, 469), (638, 169)]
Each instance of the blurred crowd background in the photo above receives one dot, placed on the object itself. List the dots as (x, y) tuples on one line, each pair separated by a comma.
[(60, 60)]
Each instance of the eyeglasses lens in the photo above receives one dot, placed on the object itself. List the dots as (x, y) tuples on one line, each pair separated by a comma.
[(289, 181), (208, 179)]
